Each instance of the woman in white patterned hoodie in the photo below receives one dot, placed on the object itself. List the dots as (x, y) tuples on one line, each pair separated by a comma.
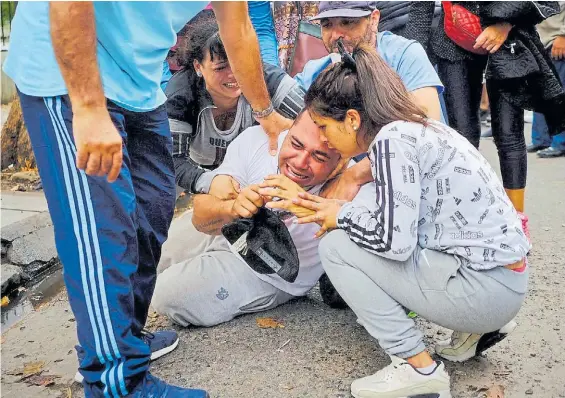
[(443, 238)]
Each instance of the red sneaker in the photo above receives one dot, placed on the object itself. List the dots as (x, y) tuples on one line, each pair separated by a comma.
[(525, 228)]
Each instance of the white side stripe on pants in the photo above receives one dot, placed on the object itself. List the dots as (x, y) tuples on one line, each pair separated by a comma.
[(99, 265), (67, 152)]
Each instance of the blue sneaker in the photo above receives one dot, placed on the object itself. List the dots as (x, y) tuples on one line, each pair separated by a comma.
[(160, 343), (152, 387)]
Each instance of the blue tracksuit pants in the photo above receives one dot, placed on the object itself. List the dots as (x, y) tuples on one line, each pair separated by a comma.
[(108, 236)]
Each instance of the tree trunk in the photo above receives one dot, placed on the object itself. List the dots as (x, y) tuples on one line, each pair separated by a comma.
[(15, 143)]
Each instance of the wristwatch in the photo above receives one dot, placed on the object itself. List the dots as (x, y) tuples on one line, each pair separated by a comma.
[(264, 112)]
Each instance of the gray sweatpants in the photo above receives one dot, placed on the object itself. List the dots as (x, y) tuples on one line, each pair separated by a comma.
[(431, 283), (202, 283)]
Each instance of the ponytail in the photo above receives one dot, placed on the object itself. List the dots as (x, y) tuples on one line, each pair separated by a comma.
[(363, 82)]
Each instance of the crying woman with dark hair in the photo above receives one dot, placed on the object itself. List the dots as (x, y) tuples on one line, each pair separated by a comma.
[(206, 108), (442, 238)]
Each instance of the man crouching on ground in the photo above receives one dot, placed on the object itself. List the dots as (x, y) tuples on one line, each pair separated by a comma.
[(206, 284)]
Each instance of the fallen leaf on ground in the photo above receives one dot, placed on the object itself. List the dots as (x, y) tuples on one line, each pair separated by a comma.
[(156, 321), (69, 393), (41, 380), (496, 391), (32, 368), (266, 323), (5, 301)]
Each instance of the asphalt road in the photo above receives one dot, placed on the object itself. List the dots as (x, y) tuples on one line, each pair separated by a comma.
[(320, 351)]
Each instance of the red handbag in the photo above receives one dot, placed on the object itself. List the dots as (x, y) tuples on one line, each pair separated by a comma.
[(462, 26)]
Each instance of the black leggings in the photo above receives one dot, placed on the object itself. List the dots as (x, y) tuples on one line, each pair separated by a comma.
[(463, 88)]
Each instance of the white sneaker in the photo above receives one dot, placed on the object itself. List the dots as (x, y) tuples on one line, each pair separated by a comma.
[(402, 380), (463, 346)]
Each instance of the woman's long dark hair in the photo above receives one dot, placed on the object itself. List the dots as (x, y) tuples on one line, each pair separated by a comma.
[(202, 37), (367, 85)]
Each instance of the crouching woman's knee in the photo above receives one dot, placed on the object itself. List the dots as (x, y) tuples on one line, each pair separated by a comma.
[(329, 248)]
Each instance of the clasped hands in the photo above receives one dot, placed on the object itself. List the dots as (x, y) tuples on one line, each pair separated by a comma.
[(280, 193), (306, 207)]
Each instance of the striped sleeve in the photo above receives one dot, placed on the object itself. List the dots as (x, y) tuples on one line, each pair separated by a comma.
[(182, 135), (286, 94), (289, 98), (390, 228)]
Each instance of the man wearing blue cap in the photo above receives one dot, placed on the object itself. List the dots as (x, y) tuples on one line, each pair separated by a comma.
[(88, 76)]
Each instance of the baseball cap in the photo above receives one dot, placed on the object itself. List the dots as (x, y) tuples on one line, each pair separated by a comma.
[(264, 243), (347, 9)]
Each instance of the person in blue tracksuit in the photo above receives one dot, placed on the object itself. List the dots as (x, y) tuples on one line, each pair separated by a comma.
[(88, 76)]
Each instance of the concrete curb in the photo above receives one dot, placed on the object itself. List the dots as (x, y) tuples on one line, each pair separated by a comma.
[(28, 249)]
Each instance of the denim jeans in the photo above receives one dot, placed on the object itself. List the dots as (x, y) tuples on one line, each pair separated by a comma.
[(540, 134)]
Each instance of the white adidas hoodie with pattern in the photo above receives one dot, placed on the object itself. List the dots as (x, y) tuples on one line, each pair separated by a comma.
[(435, 190)]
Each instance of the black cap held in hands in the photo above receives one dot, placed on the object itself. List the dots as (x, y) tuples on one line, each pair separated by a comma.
[(264, 243)]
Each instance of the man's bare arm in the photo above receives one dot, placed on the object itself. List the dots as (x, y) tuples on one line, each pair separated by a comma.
[(242, 48), (428, 99), (73, 33), (211, 213)]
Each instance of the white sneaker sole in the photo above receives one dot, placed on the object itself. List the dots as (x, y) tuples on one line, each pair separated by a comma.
[(485, 342), (368, 394), (154, 355)]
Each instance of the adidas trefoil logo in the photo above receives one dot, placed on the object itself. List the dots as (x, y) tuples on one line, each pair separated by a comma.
[(478, 195), (457, 200)]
